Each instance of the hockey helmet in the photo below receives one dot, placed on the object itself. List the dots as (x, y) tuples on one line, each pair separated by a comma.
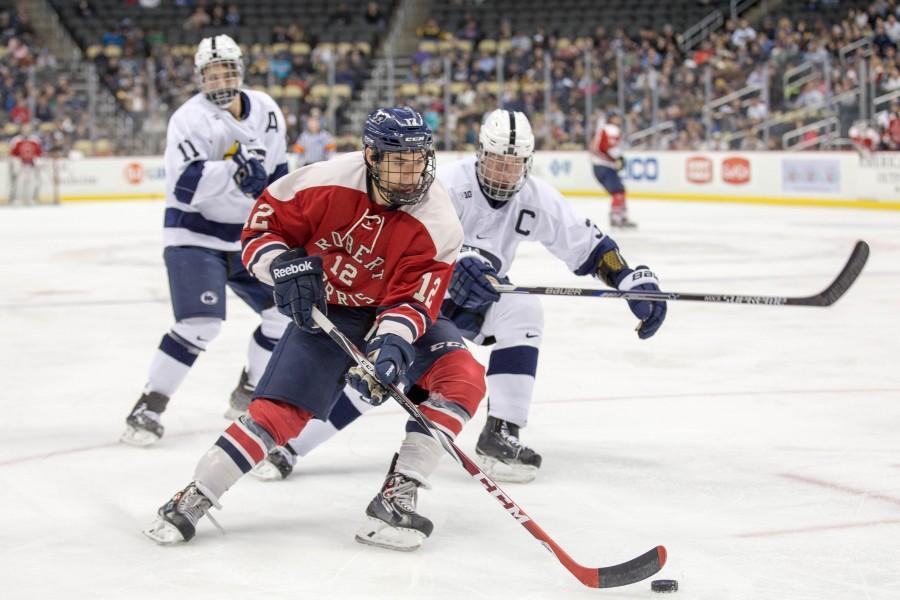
[(219, 67), (399, 154), (505, 153)]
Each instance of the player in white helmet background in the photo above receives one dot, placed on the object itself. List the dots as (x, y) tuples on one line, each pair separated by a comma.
[(223, 147), (500, 204)]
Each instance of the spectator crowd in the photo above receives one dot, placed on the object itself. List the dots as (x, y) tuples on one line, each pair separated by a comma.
[(150, 73)]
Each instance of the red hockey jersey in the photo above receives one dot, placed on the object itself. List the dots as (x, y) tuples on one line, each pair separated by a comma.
[(398, 261), (25, 148), (605, 149)]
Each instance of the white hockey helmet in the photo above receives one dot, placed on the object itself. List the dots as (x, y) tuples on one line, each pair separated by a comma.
[(505, 153), (220, 69)]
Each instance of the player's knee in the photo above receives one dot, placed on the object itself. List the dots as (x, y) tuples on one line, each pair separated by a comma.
[(457, 378), (525, 325), (282, 421), (273, 323), (198, 331)]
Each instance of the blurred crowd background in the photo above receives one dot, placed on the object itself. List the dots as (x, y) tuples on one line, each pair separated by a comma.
[(100, 77)]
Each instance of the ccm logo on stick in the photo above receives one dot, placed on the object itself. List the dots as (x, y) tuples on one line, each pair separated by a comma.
[(292, 269)]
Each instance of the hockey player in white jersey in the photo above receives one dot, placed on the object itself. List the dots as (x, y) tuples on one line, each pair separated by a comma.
[(223, 147), (501, 205)]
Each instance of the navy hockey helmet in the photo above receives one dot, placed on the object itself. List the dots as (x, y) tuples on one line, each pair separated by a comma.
[(401, 162)]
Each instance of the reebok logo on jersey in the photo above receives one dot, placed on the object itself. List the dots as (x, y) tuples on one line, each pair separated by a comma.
[(292, 269)]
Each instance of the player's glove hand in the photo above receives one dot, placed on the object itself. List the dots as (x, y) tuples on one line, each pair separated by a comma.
[(471, 283), (652, 313), (620, 163), (390, 355), (251, 175), (299, 286)]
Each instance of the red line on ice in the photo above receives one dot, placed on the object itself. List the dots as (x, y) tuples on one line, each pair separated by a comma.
[(840, 487), (815, 528), (24, 459)]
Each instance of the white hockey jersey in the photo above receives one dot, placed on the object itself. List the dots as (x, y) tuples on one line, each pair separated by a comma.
[(204, 205), (538, 213)]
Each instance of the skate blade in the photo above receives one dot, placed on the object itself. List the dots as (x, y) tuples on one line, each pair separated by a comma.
[(378, 533), (506, 473), (266, 471), (163, 533), (138, 437)]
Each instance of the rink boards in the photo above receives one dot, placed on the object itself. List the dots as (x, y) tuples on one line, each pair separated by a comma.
[(838, 179)]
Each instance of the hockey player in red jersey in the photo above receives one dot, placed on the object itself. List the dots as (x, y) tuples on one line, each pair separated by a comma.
[(606, 156), (25, 148), (369, 239)]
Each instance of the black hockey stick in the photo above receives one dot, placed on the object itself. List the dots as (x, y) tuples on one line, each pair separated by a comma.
[(826, 297), (632, 571)]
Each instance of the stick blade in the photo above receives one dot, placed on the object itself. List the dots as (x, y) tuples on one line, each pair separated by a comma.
[(844, 280), (632, 571)]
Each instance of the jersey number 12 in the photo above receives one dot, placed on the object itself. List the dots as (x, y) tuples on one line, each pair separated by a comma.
[(424, 294)]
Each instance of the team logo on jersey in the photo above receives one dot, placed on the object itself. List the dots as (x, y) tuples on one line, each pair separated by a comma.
[(359, 241), (209, 297)]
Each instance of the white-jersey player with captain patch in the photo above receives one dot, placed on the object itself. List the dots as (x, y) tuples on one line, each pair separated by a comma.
[(500, 206), (223, 147)]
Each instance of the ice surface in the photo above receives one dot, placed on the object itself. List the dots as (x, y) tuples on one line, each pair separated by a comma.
[(761, 445)]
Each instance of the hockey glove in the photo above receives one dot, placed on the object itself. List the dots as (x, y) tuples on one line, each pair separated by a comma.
[(390, 355), (471, 283), (299, 286), (251, 175), (652, 313), (620, 163)]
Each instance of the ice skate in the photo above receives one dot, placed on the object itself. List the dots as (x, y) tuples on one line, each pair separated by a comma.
[(240, 398), (502, 456), (177, 519), (277, 465), (143, 426), (392, 520), (621, 221)]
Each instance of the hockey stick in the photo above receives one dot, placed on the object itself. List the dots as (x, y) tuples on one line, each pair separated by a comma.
[(632, 571), (826, 297)]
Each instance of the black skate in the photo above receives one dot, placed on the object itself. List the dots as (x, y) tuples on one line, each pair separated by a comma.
[(177, 520), (143, 425), (240, 398), (277, 465), (503, 456), (393, 522), (621, 221)]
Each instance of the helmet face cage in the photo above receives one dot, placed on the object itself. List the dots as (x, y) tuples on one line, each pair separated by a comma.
[(501, 176), (221, 80), (402, 177)]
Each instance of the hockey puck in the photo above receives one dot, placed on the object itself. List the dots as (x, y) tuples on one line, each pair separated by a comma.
[(664, 585)]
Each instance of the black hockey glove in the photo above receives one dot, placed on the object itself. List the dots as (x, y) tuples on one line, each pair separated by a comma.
[(390, 355), (299, 285), (251, 175), (471, 283), (652, 313)]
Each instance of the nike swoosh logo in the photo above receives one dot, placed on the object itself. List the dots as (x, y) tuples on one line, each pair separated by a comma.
[(532, 335), (481, 237)]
